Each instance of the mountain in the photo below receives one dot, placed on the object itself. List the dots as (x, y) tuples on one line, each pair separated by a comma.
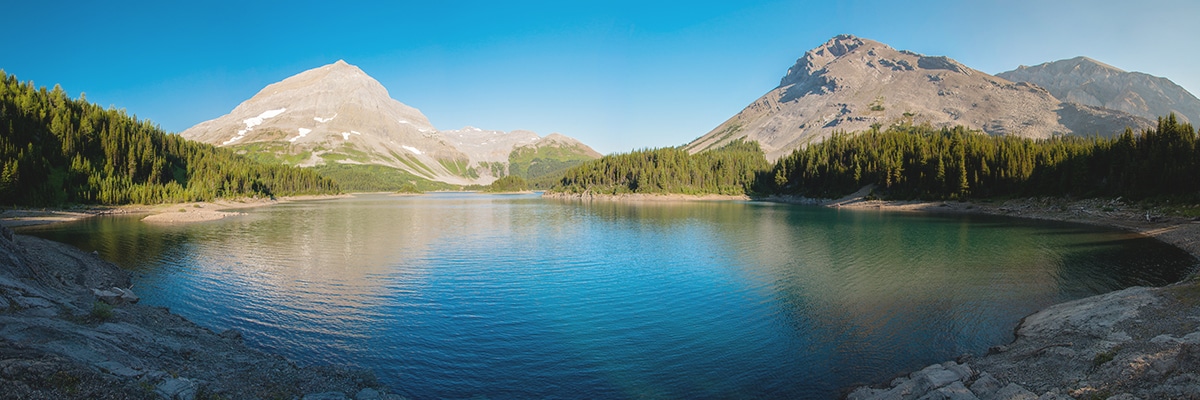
[(337, 115), (1087, 81), (520, 153), (850, 84)]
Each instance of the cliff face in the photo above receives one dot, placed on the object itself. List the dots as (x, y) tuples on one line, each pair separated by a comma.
[(850, 84)]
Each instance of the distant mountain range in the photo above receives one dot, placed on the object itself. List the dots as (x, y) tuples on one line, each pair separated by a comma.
[(337, 114), (851, 84)]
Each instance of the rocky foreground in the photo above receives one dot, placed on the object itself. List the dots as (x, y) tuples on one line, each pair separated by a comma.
[(1137, 343), (70, 328)]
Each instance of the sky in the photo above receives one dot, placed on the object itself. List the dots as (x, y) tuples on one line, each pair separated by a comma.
[(618, 75)]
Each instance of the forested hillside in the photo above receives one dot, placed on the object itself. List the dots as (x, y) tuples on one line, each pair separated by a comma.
[(55, 150), (918, 162), (728, 170), (908, 162)]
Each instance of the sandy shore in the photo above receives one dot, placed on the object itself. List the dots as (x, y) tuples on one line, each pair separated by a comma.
[(159, 213), (642, 197)]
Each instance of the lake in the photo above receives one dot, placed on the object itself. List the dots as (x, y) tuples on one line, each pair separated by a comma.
[(458, 295)]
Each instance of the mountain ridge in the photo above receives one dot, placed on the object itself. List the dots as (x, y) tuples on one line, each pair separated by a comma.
[(852, 84), (1087, 81)]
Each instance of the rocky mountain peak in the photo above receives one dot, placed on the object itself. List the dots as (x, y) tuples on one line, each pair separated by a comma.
[(1089, 82), (818, 58), (851, 84)]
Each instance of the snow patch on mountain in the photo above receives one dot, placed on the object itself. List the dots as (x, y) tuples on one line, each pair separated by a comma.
[(303, 132), (256, 121)]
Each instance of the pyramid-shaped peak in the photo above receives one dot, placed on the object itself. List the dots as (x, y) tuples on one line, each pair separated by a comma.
[(821, 56)]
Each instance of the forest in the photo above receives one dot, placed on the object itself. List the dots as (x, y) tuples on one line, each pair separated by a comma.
[(56, 150), (918, 162), (729, 170), (508, 184)]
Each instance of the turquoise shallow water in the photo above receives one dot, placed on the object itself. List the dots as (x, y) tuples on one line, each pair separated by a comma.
[(514, 296)]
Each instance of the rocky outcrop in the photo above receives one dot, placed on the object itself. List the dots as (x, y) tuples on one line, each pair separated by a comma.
[(851, 84), (1137, 343), (1089, 82), (70, 329)]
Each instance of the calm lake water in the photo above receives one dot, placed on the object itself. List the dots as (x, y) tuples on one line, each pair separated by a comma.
[(494, 296)]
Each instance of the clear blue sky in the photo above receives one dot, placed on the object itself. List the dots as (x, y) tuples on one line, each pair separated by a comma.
[(618, 75)]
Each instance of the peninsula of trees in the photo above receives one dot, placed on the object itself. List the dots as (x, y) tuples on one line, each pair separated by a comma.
[(56, 150)]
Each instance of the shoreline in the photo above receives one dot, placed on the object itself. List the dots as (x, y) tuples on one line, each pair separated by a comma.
[(73, 329), (156, 213), (1134, 343), (643, 197)]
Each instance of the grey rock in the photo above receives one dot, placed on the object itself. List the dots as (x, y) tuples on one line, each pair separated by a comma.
[(119, 369), (864, 393), (1054, 396), (126, 295), (953, 391), (177, 388), (963, 371), (1123, 396), (1013, 392), (106, 296), (939, 378), (986, 386), (28, 302), (1093, 316)]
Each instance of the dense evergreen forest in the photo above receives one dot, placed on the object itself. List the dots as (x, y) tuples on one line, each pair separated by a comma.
[(56, 150), (511, 183), (918, 162), (909, 162), (731, 170)]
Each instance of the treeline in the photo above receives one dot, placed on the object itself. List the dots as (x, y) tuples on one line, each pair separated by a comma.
[(918, 162), (511, 183), (908, 162), (731, 170), (55, 150)]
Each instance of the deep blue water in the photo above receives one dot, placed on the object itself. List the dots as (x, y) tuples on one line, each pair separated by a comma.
[(514, 296)]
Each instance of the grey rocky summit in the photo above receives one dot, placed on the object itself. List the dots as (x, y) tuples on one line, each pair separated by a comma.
[(1086, 81), (850, 84)]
